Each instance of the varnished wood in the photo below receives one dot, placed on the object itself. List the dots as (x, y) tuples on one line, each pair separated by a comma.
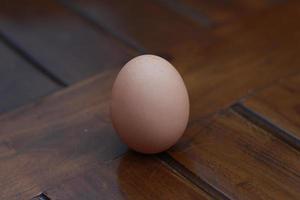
[(146, 23), (20, 83), (193, 178), (220, 12), (266, 124), (218, 69), (63, 145), (240, 159), (55, 138), (133, 176), (280, 104), (61, 41)]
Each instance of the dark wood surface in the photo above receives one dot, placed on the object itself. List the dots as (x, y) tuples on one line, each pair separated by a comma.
[(218, 13), (64, 140), (212, 64), (62, 42), (133, 176), (240, 159), (239, 60), (20, 83), (280, 104), (41, 141)]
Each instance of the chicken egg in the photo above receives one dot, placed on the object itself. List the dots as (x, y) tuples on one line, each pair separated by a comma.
[(149, 105)]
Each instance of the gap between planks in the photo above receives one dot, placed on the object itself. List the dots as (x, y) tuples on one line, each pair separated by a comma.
[(94, 23), (41, 196), (164, 157), (181, 170), (253, 118), (28, 58), (266, 125), (188, 11)]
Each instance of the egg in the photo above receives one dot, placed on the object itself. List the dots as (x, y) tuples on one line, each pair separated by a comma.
[(149, 104)]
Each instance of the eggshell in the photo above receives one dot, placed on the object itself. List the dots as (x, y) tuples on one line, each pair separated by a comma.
[(150, 104)]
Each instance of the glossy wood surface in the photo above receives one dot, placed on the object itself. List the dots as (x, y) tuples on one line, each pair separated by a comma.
[(240, 63), (240, 159), (133, 176), (23, 87), (220, 13), (212, 63), (280, 104), (66, 141), (62, 42), (55, 138)]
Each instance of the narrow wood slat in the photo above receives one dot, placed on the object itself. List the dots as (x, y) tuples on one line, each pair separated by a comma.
[(133, 176), (280, 103), (63, 145), (20, 83), (59, 40), (240, 159), (217, 70)]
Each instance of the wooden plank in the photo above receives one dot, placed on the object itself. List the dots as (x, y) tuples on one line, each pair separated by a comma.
[(217, 69), (20, 83), (55, 138), (280, 104), (133, 176), (64, 144), (228, 152), (240, 159), (145, 24), (219, 12), (267, 125), (61, 41)]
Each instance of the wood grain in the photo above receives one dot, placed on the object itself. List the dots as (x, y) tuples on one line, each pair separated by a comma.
[(22, 87), (61, 41), (217, 68), (219, 12), (147, 24), (55, 138), (63, 145), (280, 104), (266, 124), (240, 159), (133, 176)]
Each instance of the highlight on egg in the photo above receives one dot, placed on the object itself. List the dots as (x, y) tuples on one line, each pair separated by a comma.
[(149, 105)]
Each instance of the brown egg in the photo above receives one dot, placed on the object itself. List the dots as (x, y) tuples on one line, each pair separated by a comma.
[(150, 104)]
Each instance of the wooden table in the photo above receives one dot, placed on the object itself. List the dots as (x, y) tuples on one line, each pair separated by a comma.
[(239, 59)]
